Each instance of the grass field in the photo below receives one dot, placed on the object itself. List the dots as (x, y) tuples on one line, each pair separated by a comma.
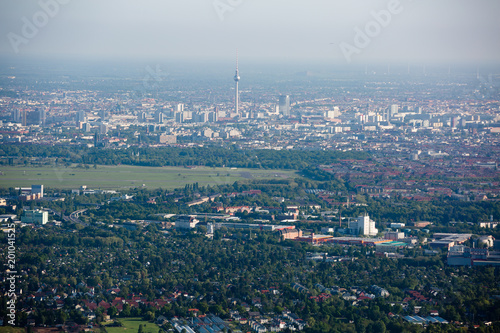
[(10, 329), (116, 177), (131, 325)]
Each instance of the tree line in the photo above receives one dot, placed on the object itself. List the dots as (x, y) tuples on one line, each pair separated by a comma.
[(179, 156)]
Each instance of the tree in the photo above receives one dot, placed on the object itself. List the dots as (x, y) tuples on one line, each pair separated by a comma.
[(112, 312), (149, 316), (377, 327)]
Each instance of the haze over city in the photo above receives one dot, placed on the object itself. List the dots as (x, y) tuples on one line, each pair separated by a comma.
[(443, 31)]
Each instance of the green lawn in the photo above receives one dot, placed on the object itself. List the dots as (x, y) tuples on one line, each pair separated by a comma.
[(10, 329), (131, 325), (116, 177)]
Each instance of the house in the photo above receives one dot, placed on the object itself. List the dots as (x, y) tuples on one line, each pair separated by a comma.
[(104, 305), (257, 327)]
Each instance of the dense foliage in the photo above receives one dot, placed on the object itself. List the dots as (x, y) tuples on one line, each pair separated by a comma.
[(175, 156), (239, 267)]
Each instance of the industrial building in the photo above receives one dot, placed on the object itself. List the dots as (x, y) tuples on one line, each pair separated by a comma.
[(390, 247), (358, 241), (394, 235), (263, 227), (315, 239), (448, 240), (465, 256), (31, 193)]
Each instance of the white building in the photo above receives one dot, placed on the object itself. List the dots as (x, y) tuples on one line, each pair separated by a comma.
[(397, 225), (185, 222), (394, 235), (363, 225), (164, 138), (489, 241), (284, 105), (331, 114), (394, 110)]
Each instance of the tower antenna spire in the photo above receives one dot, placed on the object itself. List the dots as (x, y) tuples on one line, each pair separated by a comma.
[(236, 79)]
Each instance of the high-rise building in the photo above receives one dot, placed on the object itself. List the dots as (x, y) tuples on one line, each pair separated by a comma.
[(363, 225), (16, 116), (386, 114), (284, 105), (103, 113), (179, 117), (335, 113), (213, 117), (81, 117), (103, 129), (141, 117), (86, 127), (159, 117), (236, 94), (394, 110), (41, 116), (200, 117), (179, 107)]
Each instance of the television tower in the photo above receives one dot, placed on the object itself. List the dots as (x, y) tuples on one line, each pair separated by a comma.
[(236, 79)]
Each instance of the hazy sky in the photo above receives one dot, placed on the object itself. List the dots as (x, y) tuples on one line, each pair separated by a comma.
[(416, 31)]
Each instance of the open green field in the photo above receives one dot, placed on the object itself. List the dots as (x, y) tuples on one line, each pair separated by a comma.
[(122, 177), (10, 329), (131, 325)]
